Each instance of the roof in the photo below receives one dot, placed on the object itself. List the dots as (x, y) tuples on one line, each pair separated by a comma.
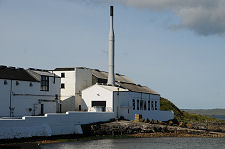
[(136, 88), (12, 73), (112, 88), (104, 75), (37, 73), (69, 68), (64, 69), (124, 82)]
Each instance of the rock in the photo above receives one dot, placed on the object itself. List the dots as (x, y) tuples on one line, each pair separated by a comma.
[(170, 123), (189, 125), (162, 123), (146, 120), (141, 120)]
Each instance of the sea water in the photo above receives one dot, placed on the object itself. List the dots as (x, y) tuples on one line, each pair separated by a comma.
[(143, 143)]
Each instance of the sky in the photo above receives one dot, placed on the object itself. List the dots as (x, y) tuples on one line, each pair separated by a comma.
[(175, 47)]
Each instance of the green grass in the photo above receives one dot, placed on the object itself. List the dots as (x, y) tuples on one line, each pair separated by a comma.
[(182, 116)]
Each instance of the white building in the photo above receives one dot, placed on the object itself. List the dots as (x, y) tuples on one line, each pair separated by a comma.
[(124, 103), (28, 92), (73, 81)]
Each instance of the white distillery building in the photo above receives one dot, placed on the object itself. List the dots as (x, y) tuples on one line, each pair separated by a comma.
[(28, 92), (75, 79), (124, 103)]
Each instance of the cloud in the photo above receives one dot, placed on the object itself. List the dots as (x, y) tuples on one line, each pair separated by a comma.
[(204, 17)]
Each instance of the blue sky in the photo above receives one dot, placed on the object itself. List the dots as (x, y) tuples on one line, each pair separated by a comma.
[(175, 49)]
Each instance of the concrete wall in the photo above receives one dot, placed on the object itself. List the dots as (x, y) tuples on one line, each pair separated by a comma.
[(50, 124), (26, 99)]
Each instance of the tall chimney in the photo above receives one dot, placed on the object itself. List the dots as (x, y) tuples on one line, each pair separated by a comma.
[(111, 75)]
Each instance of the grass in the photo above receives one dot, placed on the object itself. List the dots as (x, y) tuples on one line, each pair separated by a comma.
[(182, 116)]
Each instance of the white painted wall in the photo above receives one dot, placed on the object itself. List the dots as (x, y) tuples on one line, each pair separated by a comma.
[(50, 124), (75, 81), (96, 93), (67, 96), (83, 79), (25, 98)]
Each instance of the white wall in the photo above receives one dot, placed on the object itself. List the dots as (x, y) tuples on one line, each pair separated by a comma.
[(67, 94), (75, 81), (25, 98), (50, 124), (4, 98), (97, 93), (83, 79)]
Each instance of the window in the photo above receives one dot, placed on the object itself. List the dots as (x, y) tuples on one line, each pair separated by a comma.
[(149, 105), (137, 104), (145, 105), (62, 85), (31, 84), (133, 104), (141, 104), (62, 75), (155, 105), (152, 105), (5, 82), (44, 83), (17, 83), (54, 79)]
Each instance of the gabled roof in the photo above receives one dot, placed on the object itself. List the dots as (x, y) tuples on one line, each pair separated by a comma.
[(136, 88), (37, 73), (124, 82), (12, 73), (104, 75), (113, 88), (64, 69)]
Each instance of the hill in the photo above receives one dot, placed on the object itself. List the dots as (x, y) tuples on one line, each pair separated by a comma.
[(183, 116), (208, 112)]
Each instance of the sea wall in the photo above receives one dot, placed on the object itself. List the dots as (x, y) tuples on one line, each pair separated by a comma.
[(50, 124)]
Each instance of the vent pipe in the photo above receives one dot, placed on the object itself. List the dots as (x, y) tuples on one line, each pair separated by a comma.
[(111, 75)]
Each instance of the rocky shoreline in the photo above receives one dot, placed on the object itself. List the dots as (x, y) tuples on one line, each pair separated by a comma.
[(147, 129)]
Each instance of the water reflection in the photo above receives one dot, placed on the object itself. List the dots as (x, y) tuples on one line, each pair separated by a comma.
[(142, 143)]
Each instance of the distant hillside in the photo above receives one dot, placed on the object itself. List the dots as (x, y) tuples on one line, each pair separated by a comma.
[(184, 116), (206, 111)]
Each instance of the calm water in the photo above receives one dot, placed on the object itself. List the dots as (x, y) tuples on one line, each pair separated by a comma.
[(222, 117), (143, 143)]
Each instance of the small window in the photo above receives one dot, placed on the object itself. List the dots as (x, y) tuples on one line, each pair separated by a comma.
[(5, 82), (155, 105), (145, 105), (137, 104), (31, 84), (62, 75), (152, 105), (62, 85), (133, 104), (17, 83), (44, 83), (54, 79), (149, 105), (141, 104)]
